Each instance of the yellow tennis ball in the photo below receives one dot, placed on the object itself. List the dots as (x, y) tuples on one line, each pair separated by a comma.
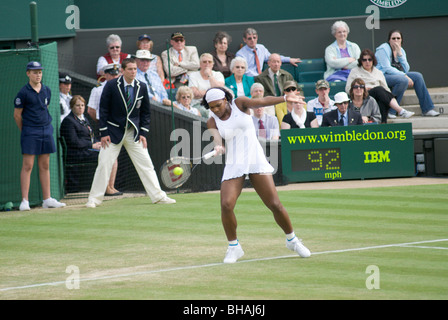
[(178, 171)]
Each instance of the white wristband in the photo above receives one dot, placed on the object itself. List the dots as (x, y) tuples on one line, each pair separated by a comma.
[(284, 97)]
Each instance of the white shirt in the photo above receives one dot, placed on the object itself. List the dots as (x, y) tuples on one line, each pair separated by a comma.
[(94, 99), (64, 100)]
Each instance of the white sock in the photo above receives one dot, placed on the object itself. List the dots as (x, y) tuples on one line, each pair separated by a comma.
[(24, 200), (290, 236), (233, 243), (401, 112)]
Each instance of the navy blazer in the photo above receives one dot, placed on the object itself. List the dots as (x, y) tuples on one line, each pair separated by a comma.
[(330, 119), (77, 137), (114, 114)]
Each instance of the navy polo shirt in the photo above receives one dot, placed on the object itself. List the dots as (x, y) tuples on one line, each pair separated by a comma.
[(35, 106)]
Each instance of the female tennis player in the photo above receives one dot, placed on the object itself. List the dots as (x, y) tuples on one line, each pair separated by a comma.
[(230, 121)]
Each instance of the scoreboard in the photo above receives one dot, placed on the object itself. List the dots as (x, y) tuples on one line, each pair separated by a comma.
[(352, 152)]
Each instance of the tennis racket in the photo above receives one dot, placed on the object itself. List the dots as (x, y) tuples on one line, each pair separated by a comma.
[(173, 181)]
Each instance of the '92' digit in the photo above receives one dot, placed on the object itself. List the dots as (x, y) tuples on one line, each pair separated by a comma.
[(334, 157), (315, 157)]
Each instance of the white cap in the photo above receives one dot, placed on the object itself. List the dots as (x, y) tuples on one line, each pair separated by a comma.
[(144, 54), (341, 97)]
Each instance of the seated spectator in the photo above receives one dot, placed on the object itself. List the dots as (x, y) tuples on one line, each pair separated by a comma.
[(342, 116), (322, 104), (202, 80), (239, 82), (111, 71), (257, 54), (376, 85), (81, 144), (184, 97), (283, 108), (114, 55), (342, 55), (392, 61), (273, 78), (266, 126), (257, 91), (156, 90), (144, 42), (221, 55), (183, 60), (298, 117), (65, 85), (363, 103)]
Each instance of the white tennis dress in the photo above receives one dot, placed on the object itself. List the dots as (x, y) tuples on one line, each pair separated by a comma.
[(244, 153)]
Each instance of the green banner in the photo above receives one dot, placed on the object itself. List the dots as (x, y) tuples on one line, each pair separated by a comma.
[(344, 153)]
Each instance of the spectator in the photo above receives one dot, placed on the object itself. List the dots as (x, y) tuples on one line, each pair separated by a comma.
[(266, 126), (204, 79), (82, 145), (221, 55), (257, 91), (65, 85), (322, 104), (342, 55), (256, 54), (183, 60), (111, 71), (34, 122), (283, 108), (376, 85), (156, 90), (273, 78), (125, 122), (298, 117), (114, 55), (239, 82), (184, 96), (393, 63), (342, 116), (363, 103), (144, 42)]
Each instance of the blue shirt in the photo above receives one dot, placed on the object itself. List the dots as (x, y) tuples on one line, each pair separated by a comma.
[(155, 83), (345, 117), (35, 106), (263, 56)]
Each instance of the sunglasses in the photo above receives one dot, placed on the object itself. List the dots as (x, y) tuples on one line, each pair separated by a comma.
[(291, 89), (369, 59), (114, 47), (396, 38), (179, 39), (252, 38), (359, 87)]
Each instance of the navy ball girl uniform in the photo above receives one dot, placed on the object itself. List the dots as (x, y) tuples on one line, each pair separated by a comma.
[(37, 132)]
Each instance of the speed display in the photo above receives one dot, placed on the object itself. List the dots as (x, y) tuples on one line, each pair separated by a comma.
[(353, 152), (316, 159)]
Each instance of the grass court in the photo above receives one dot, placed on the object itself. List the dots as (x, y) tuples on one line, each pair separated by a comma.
[(131, 249)]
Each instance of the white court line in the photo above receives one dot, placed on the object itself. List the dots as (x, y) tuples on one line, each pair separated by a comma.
[(406, 244), (426, 247)]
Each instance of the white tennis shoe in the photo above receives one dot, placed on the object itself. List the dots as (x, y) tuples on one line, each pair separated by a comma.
[(233, 253), (52, 203), (166, 200), (24, 205), (296, 245)]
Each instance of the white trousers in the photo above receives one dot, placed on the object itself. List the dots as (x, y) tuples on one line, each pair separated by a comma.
[(142, 163)]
